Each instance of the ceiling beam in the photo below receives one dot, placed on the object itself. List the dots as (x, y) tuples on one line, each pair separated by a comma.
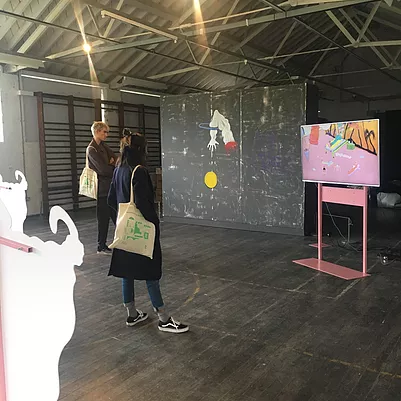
[(255, 62), (316, 31), (18, 60), (282, 43), (128, 20), (350, 52), (238, 45), (380, 20), (368, 21), (365, 37), (86, 67), (7, 23), (397, 55), (93, 18), (127, 68), (340, 26), (217, 35), (245, 23), (160, 11), (72, 51), (175, 72), (371, 36), (390, 9), (257, 20), (37, 9), (284, 15), (112, 20), (38, 32), (323, 55), (24, 48)]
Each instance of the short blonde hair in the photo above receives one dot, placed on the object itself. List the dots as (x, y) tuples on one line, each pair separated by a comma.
[(97, 126)]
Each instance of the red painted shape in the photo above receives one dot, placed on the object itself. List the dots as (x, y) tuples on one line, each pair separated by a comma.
[(331, 268), (314, 135), (230, 146)]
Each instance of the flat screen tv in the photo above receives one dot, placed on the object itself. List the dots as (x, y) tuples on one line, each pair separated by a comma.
[(341, 153)]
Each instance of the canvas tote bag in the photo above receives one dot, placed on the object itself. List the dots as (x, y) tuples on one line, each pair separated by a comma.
[(133, 233), (88, 181)]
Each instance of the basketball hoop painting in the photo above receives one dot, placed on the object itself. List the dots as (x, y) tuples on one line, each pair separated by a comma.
[(220, 124)]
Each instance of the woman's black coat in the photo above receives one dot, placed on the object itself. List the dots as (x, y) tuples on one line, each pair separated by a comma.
[(126, 264)]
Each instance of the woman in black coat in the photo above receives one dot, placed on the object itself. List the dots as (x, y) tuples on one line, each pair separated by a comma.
[(130, 266)]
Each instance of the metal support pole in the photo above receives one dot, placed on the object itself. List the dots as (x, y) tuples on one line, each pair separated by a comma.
[(73, 152), (121, 121), (43, 159), (98, 109)]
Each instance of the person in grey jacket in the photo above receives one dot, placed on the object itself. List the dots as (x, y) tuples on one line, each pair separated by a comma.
[(102, 160)]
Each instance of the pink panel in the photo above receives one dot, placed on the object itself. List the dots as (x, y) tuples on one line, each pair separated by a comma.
[(331, 268), (15, 245), (344, 196), (317, 245), (2, 373)]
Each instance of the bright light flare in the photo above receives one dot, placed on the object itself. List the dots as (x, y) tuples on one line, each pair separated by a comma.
[(78, 16), (87, 47), (202, 39)]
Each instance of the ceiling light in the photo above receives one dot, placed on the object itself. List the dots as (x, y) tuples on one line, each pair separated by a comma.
[(61, 81), (87, 47), (139, 93)]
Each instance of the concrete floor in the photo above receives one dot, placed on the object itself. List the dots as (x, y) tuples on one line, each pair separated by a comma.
[(262, 328)]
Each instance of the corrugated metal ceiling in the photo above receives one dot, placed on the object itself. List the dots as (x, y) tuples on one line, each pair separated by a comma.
[(277, 38)]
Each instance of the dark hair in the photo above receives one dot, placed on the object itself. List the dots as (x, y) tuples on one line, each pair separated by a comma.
[(133, 151)]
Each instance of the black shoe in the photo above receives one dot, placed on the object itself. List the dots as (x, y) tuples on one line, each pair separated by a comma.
[(172, 326), (105, 251), (140, 317)]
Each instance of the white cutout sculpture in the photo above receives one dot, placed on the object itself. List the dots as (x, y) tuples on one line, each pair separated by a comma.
[(37, 305), (14, 198)]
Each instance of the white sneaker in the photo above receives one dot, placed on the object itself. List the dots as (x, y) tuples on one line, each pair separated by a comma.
[(172, 326)]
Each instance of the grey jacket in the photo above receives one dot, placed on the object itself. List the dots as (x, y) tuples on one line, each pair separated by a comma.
[(99, 160)]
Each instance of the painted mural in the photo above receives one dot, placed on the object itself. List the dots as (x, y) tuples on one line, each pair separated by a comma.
[(218, 125)]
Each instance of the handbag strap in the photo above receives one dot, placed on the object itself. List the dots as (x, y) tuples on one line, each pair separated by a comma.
[(132, 187)]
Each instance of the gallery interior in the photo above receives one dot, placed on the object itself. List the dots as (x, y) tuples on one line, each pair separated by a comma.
[(200, 200)]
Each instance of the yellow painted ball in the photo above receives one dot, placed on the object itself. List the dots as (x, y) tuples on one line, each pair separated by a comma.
[(211, 179)]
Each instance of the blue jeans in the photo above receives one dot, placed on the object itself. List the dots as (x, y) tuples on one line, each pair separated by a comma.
[(153, 290)]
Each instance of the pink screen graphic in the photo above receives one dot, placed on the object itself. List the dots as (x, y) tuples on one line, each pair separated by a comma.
[(341, 153)]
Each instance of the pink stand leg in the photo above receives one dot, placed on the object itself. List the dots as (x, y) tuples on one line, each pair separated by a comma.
[(2, 372), (344, 196), (319, 223), (365, 232)]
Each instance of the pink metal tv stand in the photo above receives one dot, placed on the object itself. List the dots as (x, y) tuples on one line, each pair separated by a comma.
[(343, 196)]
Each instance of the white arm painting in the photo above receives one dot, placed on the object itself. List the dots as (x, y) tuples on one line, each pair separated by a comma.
[(37, 305), (222, 124), (213, 133)]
